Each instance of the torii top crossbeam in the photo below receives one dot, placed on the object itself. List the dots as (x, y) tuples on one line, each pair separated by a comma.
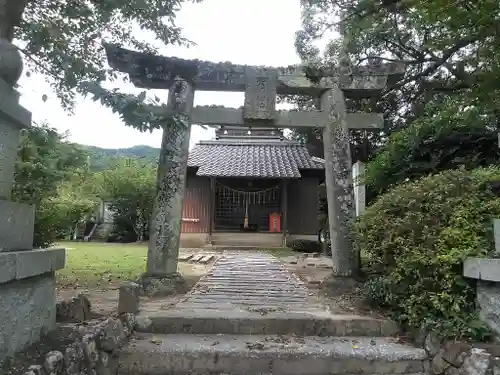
[(158, 72), (260, 84)]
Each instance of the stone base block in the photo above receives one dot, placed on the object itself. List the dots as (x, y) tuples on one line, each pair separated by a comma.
[(17, 265), (488, 300), (128, 298), (27, 310), (487, 269), (17, 222), (163, 286)]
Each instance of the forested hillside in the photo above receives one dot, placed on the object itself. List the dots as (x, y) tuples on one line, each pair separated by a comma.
[(100, 158)]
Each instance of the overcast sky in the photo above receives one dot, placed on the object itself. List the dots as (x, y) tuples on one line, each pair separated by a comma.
[(259, 32)]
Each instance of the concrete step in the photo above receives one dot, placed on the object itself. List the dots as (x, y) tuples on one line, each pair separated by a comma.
[(261, 321), (258, 240), (248, 248), (182, 354)]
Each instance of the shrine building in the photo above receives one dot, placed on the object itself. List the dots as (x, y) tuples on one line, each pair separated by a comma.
[(250, 187)]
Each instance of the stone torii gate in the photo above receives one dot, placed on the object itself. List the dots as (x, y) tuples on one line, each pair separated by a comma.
[(261, 85)]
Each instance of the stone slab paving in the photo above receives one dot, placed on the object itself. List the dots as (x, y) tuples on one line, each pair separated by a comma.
[(202, 257), (250, 280)]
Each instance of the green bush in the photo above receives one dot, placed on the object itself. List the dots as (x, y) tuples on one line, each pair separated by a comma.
[(306, 246), (416, 236)]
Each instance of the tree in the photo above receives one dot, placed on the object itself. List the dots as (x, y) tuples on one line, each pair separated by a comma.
[(59, 39), (451, 51), (64, 41), (76, 200), (46, 161), (129, 189), (452, 59), (453, 137), (103, 158), (450, 48)]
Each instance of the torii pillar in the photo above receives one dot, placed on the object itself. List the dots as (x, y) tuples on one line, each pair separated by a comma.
[(338, 162), (161, 277)]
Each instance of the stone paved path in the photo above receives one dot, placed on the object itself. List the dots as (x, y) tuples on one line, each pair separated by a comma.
[(250, 281)]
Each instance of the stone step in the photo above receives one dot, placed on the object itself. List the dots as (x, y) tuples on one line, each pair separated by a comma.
[(247, 280), (247, 288), (260, 320), (200, 258), (255, 292), (206, 259), (266, 306), (243, 248), (185, 257), (182, 354), (196, 257), (245, 301)]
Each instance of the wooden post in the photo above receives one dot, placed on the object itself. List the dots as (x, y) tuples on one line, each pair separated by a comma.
[(211, 210), (284, 210)]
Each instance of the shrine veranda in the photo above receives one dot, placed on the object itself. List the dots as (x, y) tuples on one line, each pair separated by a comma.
[(261, 86)]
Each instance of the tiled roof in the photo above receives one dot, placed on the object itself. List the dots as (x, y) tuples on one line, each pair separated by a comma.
[(244, 158)]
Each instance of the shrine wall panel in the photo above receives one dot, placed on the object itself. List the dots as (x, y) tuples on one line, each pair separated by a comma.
[(303, 206), (196, 210)]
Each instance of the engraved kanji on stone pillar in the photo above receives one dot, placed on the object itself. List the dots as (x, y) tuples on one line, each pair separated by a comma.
[(368, 81), (260, 93), (167, 210), (339, 183)]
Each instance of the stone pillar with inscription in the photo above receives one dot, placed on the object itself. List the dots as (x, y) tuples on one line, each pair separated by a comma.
[(161, 277), (338, 166), (27, 276), (339, 183), (368, 82)]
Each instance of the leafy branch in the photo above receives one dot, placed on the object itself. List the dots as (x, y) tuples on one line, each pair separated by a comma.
[(62, 40)]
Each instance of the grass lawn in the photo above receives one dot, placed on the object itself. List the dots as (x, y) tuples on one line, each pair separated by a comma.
[(91, 264)]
